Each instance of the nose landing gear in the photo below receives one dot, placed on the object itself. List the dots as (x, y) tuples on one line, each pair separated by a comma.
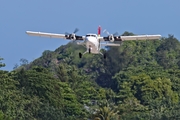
[(89, 50)]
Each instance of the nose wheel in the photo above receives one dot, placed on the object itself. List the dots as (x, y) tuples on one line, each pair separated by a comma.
[(89, 50)]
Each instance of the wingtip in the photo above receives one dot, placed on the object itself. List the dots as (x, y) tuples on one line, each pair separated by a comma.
[(27, 32)]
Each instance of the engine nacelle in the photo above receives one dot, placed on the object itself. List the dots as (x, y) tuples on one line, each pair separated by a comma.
[(111, 38), (72, 36)]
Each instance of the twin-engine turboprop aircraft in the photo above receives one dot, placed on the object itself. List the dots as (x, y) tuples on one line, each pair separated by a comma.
[(93, 42)]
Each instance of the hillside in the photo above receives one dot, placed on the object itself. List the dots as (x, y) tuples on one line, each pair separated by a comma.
[(139, 80)]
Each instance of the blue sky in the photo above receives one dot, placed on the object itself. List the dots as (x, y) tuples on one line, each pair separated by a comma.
[(60, 16)]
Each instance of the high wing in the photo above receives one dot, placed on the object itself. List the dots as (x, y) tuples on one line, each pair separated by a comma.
[(127, 38), (141, 37), (54, 35)]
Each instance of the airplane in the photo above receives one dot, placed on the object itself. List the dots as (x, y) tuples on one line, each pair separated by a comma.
[(93, 42)]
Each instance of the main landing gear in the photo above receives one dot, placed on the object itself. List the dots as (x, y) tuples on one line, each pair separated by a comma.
[(80, 55), (104, 55)]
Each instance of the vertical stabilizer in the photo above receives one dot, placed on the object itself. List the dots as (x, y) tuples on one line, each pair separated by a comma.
[(99, 31)]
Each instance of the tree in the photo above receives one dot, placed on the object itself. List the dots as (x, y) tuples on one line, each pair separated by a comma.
[(45, 91), (168, 52), (10, 100), (62, 74), (140, 80), (15, 66), (106, 111), (126, 33), (1, 64), (23, 62)]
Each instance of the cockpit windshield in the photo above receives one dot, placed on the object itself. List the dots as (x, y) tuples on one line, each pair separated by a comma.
[(92, 35)]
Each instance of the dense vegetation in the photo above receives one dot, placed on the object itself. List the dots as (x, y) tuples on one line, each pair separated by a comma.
[(139, 80)]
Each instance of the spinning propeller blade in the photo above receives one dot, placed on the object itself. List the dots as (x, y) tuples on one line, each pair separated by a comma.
[(105, 31), (66, 33), (76, 30)]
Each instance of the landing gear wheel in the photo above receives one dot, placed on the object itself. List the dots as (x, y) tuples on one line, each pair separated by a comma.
[(104, 56), (89, 50), (80, 55)]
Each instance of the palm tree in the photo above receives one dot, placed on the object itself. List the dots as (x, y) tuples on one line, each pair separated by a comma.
[(106, 111)]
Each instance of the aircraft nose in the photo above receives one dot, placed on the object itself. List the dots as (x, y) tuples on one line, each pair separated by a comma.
[(87, 39)]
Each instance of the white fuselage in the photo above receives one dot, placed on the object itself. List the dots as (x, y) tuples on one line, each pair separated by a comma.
[(92, 43)]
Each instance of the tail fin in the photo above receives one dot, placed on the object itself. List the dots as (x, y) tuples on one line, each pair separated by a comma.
[(99, 31)]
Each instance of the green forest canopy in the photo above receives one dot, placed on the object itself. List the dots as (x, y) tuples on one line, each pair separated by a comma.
[(139, 80)]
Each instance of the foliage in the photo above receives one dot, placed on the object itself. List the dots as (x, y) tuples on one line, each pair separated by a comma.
[(139, 80), (1, 64), (106, 111)]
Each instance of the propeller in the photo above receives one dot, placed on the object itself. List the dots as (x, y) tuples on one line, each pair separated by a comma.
[(76, 30), (115, 34), (106, 32), (72, 36), (66, 33), (111, 36)]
